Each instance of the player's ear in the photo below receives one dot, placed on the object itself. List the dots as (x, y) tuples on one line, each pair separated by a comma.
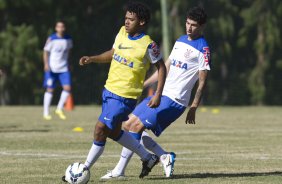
[(142, 23)]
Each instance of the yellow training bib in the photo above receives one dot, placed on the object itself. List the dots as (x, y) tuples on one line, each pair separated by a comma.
[(128, 66)]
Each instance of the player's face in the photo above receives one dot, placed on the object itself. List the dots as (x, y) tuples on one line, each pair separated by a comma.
[(60, 28), (193, 29), (132, 23)]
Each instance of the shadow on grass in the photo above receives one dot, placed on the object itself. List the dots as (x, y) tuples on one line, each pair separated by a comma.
[(222, 175), (18, 130)]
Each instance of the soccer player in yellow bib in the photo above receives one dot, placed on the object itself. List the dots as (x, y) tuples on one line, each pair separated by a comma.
[(132, 53)]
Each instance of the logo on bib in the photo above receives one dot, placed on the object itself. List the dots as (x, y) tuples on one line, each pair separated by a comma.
[(122, 47), (123, 60)]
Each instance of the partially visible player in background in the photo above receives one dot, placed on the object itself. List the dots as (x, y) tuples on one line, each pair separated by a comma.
[(1, 72), (55, 58), (188, 63)]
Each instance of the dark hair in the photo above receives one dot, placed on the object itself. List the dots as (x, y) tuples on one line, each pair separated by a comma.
[(60, 20), (197, 14), (141, 10)]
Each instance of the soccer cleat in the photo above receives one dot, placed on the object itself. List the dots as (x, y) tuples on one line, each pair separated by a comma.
[(64, 179), (148, 165), (110, 175), (61, 114), (167, 161), (47, 117)]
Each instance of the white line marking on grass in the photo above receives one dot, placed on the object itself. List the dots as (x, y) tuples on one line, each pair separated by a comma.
[(77, 156)]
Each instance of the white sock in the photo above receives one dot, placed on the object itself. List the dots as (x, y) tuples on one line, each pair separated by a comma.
[(47, 102), (125, 157), (94, 153), (131, 143), (63, 99), (152, 145)]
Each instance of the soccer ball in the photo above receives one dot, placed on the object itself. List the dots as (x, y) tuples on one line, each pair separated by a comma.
[(77, 173)]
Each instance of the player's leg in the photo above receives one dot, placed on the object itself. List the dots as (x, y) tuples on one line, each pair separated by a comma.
[(158, 119), (131, 140), (126, 154), (101, 133), (152, 145), (49, 84), (65, 80), (109, 121)]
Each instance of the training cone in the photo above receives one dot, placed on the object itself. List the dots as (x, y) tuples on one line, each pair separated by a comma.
[(69, 106), (77, 129)]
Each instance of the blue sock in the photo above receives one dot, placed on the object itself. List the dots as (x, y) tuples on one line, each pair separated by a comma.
[(137, 136), (99, 143)]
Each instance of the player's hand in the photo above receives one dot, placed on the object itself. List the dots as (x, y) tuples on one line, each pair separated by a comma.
[(155, 101), (46, 67), (191, 115), (84, 60)]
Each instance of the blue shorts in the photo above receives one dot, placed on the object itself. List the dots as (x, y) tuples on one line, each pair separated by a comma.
[(115, 109), (158, 119), (51, 78)]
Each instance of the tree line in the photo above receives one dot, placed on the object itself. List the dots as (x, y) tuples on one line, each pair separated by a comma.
[(244, 38)]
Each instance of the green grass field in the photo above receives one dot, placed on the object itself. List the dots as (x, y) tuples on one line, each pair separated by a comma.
[(227, 145)]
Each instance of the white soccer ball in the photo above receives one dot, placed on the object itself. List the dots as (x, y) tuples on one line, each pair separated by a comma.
[(77, 173)]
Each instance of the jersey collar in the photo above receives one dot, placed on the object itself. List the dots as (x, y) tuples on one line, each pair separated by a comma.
[(136, 37)]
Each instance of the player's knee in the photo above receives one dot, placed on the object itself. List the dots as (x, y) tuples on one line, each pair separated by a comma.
[(116, 133), (67, 88), (137, 126), (100, 132), (50, 90), (126, 126)]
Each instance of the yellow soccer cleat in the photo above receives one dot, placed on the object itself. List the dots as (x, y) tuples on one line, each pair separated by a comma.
[(61, 114), (47, 117)]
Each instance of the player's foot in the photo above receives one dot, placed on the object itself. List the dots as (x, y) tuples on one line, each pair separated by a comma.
[(47, 117), (61, 114), (112, 175), (148, 165), (167, 161), (64, 179)]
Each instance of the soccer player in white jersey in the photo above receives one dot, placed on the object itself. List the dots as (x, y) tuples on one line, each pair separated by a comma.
[(188, 63), (55, 57)]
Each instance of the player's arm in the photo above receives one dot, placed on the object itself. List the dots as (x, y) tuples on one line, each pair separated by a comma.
[(46, 54), (105, 57), (45, 60), (190, 118), (156, 99), (154, 78)]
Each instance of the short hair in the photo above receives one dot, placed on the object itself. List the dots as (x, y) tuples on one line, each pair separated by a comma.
[(60, 21), (197, 14), (141, 10)]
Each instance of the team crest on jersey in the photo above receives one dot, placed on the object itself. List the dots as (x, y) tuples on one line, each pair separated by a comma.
[(206, 55), (123, 60), (188, 53), (179, 64)]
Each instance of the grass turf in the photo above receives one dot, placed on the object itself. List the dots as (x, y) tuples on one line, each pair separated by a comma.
[(227, 145)]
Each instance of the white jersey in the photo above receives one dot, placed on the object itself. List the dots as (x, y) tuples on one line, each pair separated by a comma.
[(58, 49), (187, 58)]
